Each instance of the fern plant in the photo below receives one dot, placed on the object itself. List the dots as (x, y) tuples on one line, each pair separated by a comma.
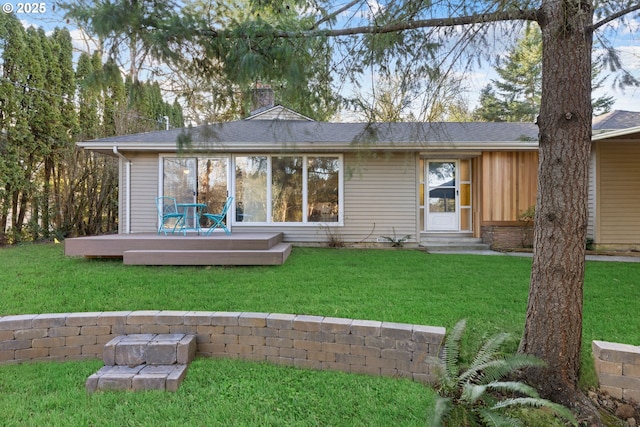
[(396, 242), (477, 395)]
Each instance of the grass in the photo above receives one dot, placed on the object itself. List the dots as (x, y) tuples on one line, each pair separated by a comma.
[(214, 393), (389, 285)]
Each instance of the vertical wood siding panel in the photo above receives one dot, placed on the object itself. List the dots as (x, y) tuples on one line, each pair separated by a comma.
[(509, 184)]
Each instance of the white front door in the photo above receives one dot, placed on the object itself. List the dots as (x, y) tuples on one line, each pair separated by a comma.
[(441, 195)]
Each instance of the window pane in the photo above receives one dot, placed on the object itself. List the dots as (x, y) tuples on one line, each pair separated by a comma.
[(465, 170), (286, 189), (442, 174), (212, 183), (465, 219), (251, 189), (322, 189), (442, 204), (179, 179), (465, 194)]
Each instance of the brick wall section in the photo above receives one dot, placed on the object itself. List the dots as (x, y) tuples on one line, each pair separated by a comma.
[(315, 342), (618, 369), (507, 235)]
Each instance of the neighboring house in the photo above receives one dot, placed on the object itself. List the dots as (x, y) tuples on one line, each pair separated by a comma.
[(317, 181)]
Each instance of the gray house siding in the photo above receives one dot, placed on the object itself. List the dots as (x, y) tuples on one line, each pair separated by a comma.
[(380, 196), (144, 190), (618, 200), (591, 201), (122, 202)]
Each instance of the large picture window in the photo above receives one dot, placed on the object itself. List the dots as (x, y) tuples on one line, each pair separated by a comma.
[(287, 189), (278, 189)]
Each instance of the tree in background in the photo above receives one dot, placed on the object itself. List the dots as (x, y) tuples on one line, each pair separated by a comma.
[(219, 85), (438, 97), (517, 93), (47, 186), (12, 117)]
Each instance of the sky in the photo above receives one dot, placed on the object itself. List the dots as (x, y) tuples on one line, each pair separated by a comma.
[(625, 38)]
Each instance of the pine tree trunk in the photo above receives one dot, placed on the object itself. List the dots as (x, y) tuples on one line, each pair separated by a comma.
[(553, 328)]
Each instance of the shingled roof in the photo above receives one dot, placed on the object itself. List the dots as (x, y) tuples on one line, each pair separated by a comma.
[(306, 135), (275, 134), (618, 119)]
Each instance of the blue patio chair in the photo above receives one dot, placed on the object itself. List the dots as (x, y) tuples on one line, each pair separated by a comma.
[(168, 212), (217, 220)]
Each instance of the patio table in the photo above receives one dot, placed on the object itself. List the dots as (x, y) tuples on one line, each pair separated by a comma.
[(192, 213)]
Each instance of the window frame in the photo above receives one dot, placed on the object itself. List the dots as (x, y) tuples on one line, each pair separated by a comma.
[(231, 186), (305, 194)]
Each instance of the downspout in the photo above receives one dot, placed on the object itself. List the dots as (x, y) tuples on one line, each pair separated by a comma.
[(127, 172)]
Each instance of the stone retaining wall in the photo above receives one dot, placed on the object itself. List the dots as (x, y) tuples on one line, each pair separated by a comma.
[(359, 346), (618, 369)]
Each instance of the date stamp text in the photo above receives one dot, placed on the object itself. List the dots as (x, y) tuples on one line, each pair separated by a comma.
[(25, 8)]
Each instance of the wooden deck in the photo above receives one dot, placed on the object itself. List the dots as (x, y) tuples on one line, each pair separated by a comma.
[(154, 249)]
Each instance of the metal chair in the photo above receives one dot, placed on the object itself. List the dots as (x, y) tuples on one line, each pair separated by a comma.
[(217, 220), (167, 212)]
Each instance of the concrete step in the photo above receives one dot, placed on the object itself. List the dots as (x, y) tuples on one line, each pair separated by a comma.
[(144, 362), (275, 255), (431, 248), (453, 244), (137, 378), (150, 349)]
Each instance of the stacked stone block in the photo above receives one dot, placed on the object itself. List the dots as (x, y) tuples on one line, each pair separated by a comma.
[(618, 369), (314, 342), (144, 362)]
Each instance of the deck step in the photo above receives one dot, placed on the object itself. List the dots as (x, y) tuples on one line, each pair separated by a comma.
[(114, 245), (275, 255), (144, 362)]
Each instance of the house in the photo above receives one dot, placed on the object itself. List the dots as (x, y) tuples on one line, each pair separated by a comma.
[(359, 182), (614, 179)]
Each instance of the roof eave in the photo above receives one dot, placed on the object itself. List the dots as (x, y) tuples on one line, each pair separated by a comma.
[(615, 133), (244, 147)]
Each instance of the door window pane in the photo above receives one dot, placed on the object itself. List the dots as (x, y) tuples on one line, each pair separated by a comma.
[(251, 188), (179, 179), (286, 189), (322, 189), (212, 182), (442, 186)]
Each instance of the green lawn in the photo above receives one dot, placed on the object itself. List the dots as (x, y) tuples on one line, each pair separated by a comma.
[(388, 285)]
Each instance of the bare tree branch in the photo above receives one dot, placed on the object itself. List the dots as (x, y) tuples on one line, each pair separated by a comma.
[(615, 16), (511, 15), (334, 14)]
